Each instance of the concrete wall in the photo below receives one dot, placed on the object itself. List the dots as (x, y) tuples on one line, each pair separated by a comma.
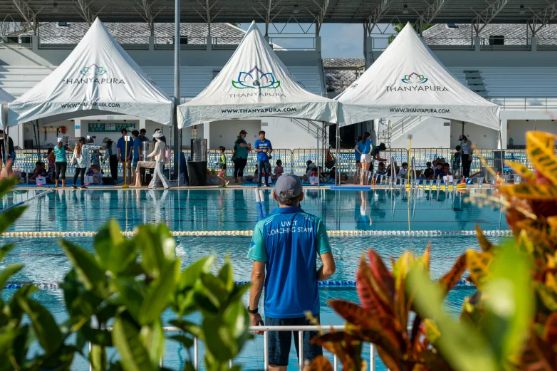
[(516, 129), (482, 137), (431, 132), (486, 58), (45, 138), (224, 133), (283, 133)]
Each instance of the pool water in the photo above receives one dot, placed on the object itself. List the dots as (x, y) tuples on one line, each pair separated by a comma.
[(235, 210), (193, 210)]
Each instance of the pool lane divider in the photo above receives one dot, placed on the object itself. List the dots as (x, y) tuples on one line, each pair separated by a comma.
[(328, 284), (260, 204), (335, 233), (28, 200)]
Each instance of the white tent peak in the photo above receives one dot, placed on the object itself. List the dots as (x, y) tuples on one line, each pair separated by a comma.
[(98, 77), (255, 83), (409, 80)]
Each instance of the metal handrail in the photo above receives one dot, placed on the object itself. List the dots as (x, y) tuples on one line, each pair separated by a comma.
[(266, 330)]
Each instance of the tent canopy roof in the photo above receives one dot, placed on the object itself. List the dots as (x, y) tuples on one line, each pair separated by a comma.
[(409, 80), (5, 97), (255, 83), (98, 76)]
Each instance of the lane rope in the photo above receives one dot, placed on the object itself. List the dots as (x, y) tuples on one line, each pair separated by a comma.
[(330, 284), (28, 200), (335, 233)]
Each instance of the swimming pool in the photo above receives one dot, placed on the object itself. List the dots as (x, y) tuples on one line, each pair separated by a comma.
[(227, 209), (230, 210)]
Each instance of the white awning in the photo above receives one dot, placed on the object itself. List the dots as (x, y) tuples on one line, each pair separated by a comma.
[(98, 77), (255, 83), (409, 80), (5, 99)]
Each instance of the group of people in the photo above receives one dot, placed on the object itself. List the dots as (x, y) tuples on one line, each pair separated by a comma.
[(86, 160), (365, 153), (262, 147)]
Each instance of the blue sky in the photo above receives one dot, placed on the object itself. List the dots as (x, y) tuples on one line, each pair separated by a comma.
[(337, 40)]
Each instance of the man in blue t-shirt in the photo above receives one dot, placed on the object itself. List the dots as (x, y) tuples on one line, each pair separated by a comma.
[(263, 148), (125, 151), (284, 248), (138, 140)]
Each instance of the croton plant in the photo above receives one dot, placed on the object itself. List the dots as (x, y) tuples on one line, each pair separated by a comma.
[(509, 323)]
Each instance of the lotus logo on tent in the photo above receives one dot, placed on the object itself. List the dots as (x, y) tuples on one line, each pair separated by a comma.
[(414, 78), (256, 79), (94, 74), (93, 70)]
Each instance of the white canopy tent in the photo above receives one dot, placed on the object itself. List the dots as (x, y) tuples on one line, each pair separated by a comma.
[(5, 99), (98, 77), (409, 80), (255, 83)]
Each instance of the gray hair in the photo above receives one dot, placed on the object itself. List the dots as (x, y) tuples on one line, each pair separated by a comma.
[(287, 198)]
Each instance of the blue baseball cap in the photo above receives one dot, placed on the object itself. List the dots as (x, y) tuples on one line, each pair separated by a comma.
[(289, 182)]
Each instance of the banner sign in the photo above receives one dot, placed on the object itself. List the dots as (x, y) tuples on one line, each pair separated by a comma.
[(99, 127)]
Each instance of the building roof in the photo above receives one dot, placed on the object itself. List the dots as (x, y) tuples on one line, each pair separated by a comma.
[(341, 73), (136, 33), (331, 63), (303, 11), (461, 34)]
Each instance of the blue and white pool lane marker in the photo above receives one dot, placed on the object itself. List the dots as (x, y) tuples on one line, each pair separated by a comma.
[(260, 204), (249, 233), (329, 284)]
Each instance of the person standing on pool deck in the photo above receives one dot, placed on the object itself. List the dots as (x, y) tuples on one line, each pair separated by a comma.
[(264, 148), (159, 154), (60, 163), (358, 156), (82, 159), (138, 140), (365, 147), (240, 157), (467, 150), (284, 247), (125, 152)]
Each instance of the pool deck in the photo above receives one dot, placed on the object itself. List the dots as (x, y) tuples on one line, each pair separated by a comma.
[(230, 186)]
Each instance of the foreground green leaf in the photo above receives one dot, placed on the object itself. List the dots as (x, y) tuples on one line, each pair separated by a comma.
[(460, 343), (125, 336)]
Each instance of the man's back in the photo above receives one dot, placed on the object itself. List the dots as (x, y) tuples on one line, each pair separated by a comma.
[(288, 242)]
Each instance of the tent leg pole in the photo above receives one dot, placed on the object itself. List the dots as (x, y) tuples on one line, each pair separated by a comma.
[(318, 160), (176, 86), (338, 153)]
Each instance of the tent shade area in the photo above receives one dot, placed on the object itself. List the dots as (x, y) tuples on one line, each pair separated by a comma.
[(255, 83), (409, 80), (98, 77), (5, 99)]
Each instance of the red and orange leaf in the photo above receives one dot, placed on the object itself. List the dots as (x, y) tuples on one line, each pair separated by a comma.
[(530, 191), (320, 363), (540, 148), (522, 170), (485, 244), (451, 278), (390, 363), (550, 329), (426, 257), (381, 272), (478, 264), (538, 355), (353, 313), (401, 311), (373, 295)]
